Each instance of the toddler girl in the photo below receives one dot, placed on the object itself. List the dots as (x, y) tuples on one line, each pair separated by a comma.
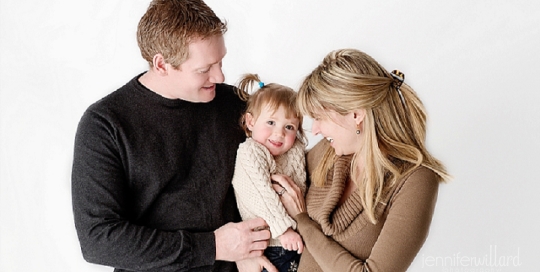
[(275, 145)]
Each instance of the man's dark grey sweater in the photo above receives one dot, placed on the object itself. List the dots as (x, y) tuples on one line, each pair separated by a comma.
[(151, 179)]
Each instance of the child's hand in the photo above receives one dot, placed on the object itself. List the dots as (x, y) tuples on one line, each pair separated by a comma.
[(291, 240)]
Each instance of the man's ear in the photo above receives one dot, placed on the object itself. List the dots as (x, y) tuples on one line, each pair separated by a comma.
[(159, 64), (250, 121), (359, 116)]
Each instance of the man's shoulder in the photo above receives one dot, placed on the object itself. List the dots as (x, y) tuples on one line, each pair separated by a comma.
[(226, 91), (112, 103), (115, 95), (226, 87), (228, 100)]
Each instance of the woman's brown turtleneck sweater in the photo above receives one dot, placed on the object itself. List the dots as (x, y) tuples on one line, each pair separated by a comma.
[(341, 238)]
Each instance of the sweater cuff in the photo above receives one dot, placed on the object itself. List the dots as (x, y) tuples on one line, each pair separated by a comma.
[(203, 247), (278, 227), (301, 217)]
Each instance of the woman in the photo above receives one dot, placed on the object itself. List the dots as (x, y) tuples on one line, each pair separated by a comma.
[(373, 182)]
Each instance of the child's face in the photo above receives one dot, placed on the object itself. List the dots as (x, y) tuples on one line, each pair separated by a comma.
[(273, 130)]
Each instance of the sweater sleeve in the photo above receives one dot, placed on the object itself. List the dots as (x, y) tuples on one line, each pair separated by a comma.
[(403, 233), (254, 193), (296, 161), (101, 206)]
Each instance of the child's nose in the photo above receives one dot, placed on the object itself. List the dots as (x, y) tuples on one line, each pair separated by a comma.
[(279, 132)]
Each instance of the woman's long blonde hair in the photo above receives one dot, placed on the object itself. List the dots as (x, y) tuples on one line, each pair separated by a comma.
[(394, 127)]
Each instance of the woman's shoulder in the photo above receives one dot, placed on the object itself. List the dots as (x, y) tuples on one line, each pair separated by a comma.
[(422, 174), (318, 149), (315, 154), (419, 181)]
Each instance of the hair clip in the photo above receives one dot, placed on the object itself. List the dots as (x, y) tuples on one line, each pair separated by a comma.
[(261, 84), (399, 77)]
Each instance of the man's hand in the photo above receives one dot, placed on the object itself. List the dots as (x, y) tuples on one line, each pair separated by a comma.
[(238, 241), (291, 240), (255, 265)]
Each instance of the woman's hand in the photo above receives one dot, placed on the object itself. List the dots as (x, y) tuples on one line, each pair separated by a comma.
[(290, 194)]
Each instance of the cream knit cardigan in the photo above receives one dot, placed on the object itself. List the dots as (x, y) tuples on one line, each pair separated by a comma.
[(252, 185)]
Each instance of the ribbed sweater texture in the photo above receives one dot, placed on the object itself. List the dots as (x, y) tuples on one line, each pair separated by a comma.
[(341, 238)]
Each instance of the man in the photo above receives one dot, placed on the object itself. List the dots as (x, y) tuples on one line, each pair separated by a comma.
[(153, 161)]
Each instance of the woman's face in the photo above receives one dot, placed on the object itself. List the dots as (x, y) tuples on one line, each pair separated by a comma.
[(339, 130)]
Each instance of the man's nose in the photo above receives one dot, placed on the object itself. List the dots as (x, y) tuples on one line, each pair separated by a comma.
[(216, 75)]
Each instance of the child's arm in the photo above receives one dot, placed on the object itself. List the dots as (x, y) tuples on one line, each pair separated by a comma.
[(254, 193), (291, 240)]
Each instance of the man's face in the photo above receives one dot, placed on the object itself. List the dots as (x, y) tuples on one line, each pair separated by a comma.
[(195, 80)]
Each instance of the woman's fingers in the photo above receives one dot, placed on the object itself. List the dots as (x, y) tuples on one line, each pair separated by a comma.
[(289, 193), (284, 182), (280, 179), (278, 188)]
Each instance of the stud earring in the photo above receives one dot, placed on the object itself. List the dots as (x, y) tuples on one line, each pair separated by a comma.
[(357, 131)]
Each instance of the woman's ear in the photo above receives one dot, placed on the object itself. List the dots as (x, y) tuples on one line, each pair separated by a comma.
[(250, 121), (359, 116)]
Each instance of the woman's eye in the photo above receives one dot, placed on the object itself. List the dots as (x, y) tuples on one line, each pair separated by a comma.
[(270, 122)]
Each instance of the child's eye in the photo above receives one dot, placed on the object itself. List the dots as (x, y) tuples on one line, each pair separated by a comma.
[(290, 127), (270, 122)]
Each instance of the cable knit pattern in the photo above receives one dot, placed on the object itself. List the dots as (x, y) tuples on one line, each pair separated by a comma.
[(341, 238), (252, 185)]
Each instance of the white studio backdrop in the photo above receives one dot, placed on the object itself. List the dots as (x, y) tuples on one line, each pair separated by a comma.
[(473, 63)]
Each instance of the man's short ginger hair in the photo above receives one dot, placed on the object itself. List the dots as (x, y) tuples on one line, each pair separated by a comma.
[(169, 26)]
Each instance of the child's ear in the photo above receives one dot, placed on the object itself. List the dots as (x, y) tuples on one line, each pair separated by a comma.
[(250, 121)]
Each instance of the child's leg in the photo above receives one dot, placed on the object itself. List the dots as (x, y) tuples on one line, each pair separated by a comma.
[(283, 260)]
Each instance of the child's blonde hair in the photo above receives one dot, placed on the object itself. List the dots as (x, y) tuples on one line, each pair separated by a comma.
[(274, 95)]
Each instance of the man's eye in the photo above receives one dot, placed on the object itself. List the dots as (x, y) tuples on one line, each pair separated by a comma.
[(205, 70)]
